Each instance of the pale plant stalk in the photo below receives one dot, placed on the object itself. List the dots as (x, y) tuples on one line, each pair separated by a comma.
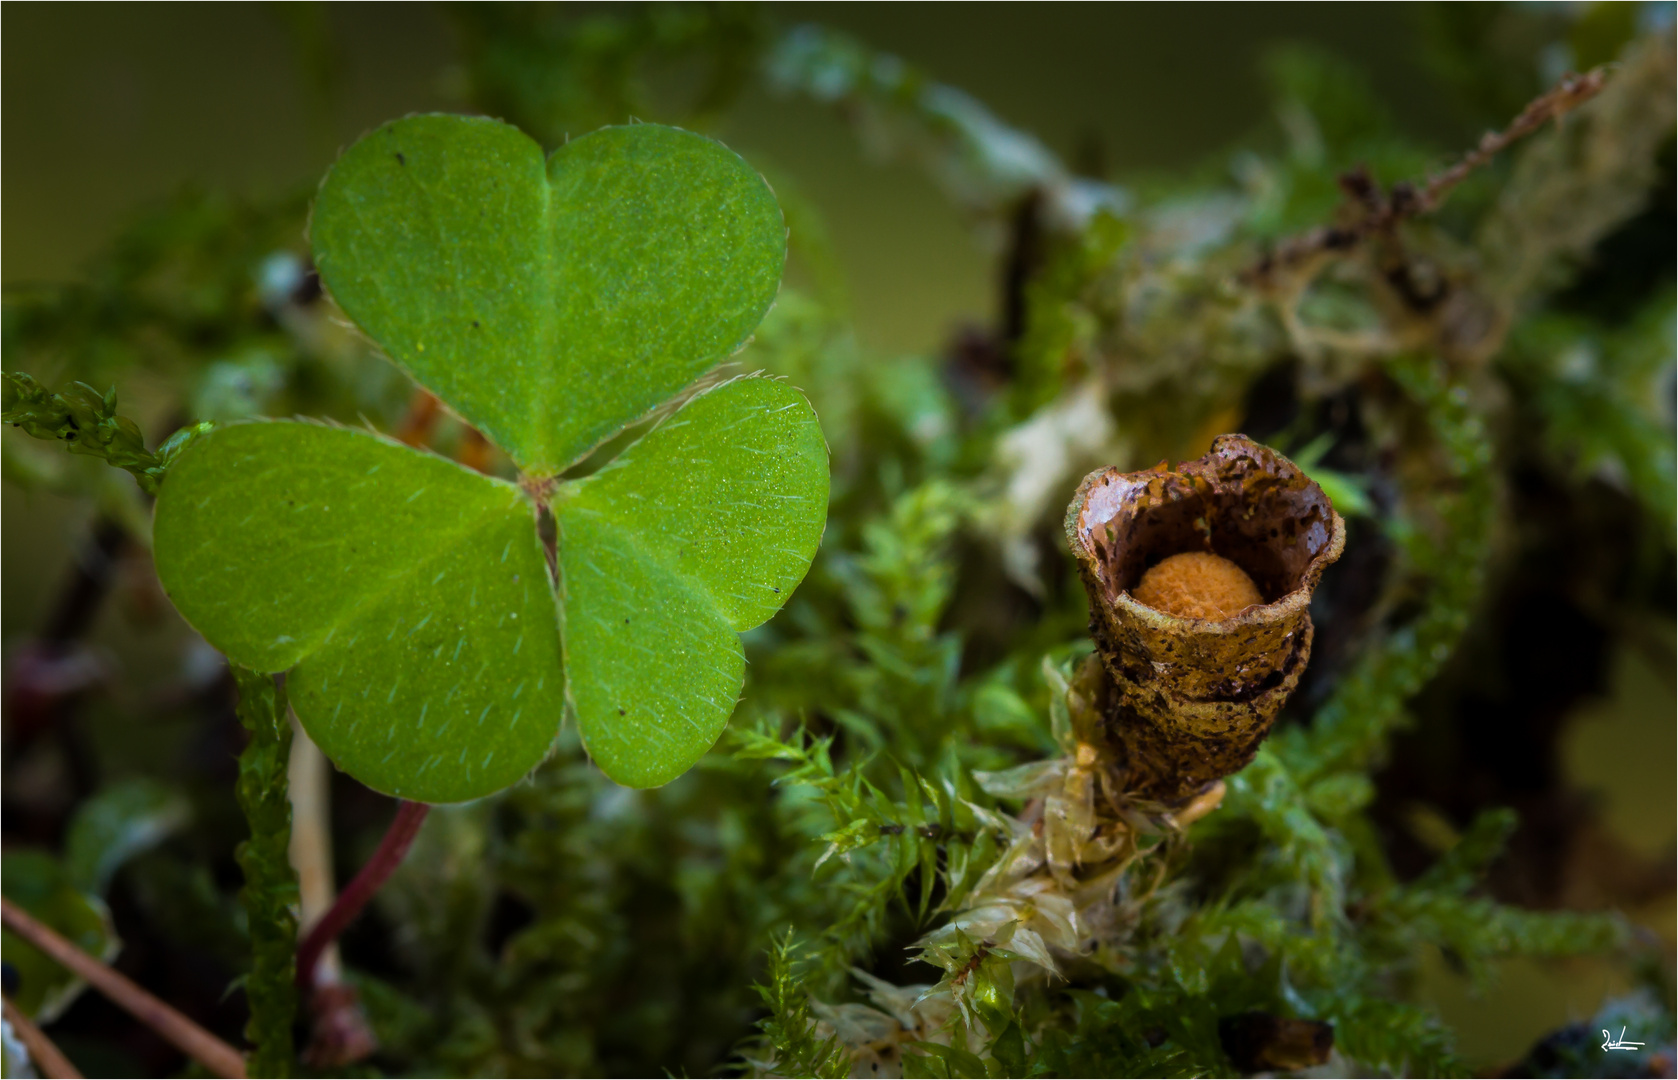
[(310, 786), (339, 1032)]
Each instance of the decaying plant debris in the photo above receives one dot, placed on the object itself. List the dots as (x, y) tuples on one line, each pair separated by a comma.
[(1145, 326)]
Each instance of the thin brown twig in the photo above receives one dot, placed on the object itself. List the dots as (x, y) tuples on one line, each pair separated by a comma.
[(46, 1055), (1379, 213), (192, 1040), (1555, 103)]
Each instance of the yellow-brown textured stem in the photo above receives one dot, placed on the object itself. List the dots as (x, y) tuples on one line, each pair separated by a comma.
[(1192, 698)]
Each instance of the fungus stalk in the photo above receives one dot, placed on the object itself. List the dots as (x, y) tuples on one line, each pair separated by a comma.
[(1200, 581)]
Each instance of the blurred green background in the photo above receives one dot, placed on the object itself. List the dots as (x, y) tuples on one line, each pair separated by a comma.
[(109, 106)]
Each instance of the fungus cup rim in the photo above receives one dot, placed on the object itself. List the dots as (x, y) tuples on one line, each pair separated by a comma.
[(1087, 551)]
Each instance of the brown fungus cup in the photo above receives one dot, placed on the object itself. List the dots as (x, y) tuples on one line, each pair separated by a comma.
[(1192, 698)]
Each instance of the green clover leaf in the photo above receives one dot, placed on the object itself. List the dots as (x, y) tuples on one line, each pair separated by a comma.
[(433, 652), (547, 305)]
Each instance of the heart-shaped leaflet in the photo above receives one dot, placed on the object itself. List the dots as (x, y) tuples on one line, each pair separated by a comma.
[(433, 656)]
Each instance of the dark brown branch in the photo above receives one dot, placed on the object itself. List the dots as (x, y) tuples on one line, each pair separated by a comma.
[(1374, 212), (46, 1055), (397, 839), (192, 1040)]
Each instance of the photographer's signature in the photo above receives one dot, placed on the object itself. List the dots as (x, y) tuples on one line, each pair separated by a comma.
[(1611, 1043)]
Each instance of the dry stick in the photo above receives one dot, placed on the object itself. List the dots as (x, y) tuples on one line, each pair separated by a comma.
[(192, 1040), (1379, 214), (46, 1055), (398, 838), (1571, 92)]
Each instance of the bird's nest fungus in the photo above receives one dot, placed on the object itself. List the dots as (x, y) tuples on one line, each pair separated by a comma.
[(1200, 580)]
